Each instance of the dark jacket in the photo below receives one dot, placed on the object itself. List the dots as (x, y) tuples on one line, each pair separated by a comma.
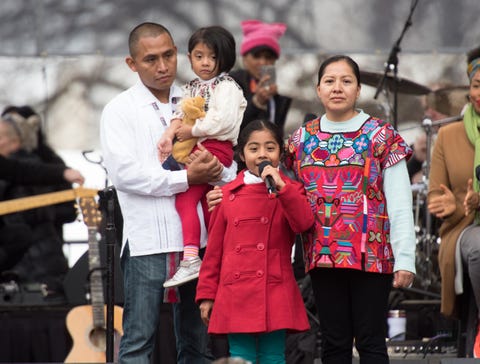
[(282, 103), (23, 172), (42, 260)]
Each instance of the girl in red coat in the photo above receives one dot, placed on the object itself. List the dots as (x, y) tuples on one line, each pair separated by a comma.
[(246, 287)]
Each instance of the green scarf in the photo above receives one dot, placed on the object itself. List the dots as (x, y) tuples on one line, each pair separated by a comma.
[(471, 120)]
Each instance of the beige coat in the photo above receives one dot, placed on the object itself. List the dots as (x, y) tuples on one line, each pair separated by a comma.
[(451, 165)]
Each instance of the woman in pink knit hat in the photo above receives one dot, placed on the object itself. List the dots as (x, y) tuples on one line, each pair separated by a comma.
[(260, 47)]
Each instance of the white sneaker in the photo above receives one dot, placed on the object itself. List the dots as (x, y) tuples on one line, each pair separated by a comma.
[(187, 271)]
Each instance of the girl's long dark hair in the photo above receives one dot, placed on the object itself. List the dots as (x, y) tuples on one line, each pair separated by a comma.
[(221, 41)]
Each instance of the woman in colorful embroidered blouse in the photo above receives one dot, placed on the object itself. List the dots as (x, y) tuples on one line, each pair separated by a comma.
[(353, 167)]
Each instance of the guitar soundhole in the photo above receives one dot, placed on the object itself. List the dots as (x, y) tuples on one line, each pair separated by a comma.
[(98, 338)]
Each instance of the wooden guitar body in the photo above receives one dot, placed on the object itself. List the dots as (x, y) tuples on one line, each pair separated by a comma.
[(89, 342), (87, 323)]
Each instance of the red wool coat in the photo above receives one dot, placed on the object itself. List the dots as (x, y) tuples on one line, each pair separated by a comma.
[(247, 266)]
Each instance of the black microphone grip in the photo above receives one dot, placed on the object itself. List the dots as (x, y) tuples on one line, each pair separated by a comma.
[(269, 182)]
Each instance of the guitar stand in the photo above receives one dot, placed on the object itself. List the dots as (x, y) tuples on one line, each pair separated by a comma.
[(107, 198)]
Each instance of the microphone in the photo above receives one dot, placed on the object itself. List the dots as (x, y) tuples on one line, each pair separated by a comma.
[(477, 172), (271, 188)]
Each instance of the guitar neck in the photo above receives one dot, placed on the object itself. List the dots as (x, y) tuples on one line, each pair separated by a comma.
[(96, 280), (52, 198)]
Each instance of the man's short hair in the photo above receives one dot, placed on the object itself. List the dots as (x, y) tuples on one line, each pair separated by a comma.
[(146, 29)]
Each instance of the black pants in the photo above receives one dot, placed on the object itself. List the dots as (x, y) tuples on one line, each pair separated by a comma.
[(352, 305)]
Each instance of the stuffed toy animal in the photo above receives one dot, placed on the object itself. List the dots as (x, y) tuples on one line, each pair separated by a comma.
[(193, 109)]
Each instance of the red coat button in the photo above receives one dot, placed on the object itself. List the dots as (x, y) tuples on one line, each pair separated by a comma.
[(259, 273), (236, 275), (260, 246), (231, 197), (264, 220)]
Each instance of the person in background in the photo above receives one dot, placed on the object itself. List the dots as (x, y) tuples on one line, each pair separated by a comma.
[(260, 47), (28, 172), (453, 196), (353, 167), (211, 51), (444, 101), (246, 287), (64, 212), (41, 260), (130, 127)]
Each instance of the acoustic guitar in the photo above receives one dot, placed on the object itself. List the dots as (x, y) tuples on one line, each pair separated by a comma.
[(86, 324), (51, 198)]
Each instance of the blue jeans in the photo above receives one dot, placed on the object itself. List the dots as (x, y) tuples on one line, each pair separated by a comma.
[(143, 278)]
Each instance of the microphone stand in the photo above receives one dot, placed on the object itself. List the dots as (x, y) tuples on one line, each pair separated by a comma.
[(429, 238), (109, 195), (392, 65)]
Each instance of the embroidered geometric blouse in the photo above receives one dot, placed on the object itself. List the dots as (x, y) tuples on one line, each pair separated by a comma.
[(342, 174)]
